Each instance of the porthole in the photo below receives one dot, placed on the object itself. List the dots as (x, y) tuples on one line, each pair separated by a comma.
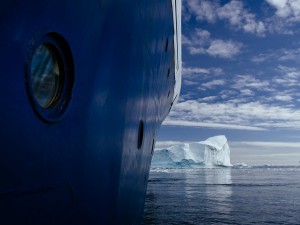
[(49, 76), (141, 134)]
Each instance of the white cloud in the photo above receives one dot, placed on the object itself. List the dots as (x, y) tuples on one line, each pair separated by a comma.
[(284, 98), (190, 82), (171, 122), (191, 75), (194, 70), (281, 55), (196, 50), (287, 14), (249, 81), (289, 76), (203, 36), (209, 98), (289, 54), (239, 18), (224, 94), (260, 58), (213, 84), (185, 40), (203, 10), (224, 49), (247, 101), (234, 115), (233, 12), (247, 92), (286, 8), (200, 42), (199, 37)]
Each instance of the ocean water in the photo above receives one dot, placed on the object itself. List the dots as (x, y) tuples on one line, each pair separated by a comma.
[(251, 195)]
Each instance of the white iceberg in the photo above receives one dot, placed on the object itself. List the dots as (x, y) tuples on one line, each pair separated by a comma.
[(209, 153)]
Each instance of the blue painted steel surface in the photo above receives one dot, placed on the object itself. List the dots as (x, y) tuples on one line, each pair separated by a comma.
[(86, 168)]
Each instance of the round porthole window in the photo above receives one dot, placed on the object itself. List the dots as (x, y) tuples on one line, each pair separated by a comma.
[(46, 78), (50, 76)]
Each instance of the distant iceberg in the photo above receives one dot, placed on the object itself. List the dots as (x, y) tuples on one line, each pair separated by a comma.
[(240, 165), (209, 153)]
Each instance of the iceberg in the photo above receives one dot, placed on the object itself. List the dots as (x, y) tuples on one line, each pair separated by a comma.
[(212, 152)]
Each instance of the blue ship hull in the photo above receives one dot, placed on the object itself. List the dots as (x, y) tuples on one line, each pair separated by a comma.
[(90, 164)]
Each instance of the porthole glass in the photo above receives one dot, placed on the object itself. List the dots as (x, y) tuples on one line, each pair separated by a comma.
[(46, 75)]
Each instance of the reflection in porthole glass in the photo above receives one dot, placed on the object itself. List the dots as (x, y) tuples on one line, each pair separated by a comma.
[(45, 75)]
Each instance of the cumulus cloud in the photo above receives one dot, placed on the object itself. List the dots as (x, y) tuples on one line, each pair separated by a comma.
[(234, 12), (224, 49), (203, 10), (287, 14), (239, 18), (200, 42), (286, 8), (200, 37)]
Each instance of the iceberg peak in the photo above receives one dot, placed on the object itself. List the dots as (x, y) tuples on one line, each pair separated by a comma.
[(216, 142)]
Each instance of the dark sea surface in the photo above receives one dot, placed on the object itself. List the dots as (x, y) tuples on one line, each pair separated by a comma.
[(257, 195)]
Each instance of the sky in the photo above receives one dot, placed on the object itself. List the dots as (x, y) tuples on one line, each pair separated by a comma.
[(240, 78)]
